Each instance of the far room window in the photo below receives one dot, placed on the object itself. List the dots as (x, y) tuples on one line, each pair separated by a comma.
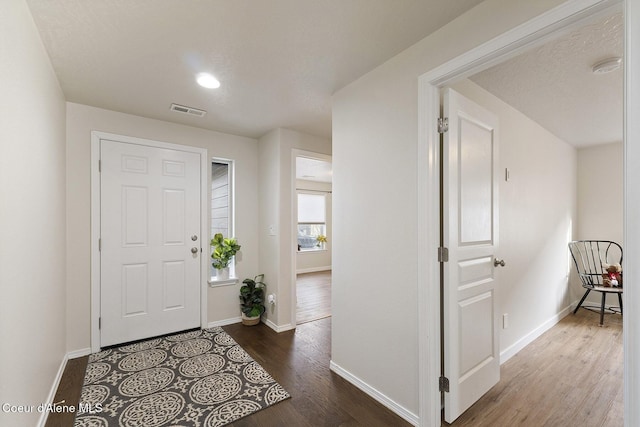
[(312, 226), (222, 204)]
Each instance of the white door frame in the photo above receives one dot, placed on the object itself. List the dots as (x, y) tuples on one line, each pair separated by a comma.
[(96, 136), (295, 153), (490, 53)]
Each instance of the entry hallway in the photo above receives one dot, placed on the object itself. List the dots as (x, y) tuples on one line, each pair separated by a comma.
[(570, 376)]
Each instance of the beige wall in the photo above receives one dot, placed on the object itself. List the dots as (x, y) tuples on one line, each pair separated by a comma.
[(81, 120), (32, 217), (600, 198), (375, 151), (276, 188)]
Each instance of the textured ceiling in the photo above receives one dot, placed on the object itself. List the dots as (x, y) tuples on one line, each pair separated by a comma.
[(554, 84), (278, 61)]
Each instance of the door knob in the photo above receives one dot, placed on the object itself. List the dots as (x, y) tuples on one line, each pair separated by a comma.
[(194, 250), (499, 262)]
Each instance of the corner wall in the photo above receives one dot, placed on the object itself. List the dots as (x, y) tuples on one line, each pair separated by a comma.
[(276, 189), (32, 218)]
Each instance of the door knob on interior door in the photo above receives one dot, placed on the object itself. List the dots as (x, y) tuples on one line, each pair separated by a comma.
[(499, 262), (194, 250)]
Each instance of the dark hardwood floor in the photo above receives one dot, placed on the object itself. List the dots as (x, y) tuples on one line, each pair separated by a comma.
[(313, 292), (68, 393), (570, 376), (299, 361)]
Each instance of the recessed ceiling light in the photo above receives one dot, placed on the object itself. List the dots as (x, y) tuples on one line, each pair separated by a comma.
[(607, 66), (207, 80)]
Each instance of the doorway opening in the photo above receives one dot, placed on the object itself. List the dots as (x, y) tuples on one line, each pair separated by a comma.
[(533, 34), (530, 128), (313, 226), (537, 252)]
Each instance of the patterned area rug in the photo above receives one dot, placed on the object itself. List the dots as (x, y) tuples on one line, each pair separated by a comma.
[(199, 378)]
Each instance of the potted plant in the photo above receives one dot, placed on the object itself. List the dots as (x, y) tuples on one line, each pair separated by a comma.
[(252, 300), (224, 249)]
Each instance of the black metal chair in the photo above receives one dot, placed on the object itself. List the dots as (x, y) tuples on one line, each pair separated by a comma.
[(590, 257)]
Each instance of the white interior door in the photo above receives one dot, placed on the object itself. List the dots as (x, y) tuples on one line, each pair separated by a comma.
[(470, 225), (150, 241)]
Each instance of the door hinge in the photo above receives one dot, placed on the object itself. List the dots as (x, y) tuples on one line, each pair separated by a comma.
[(443, 254), (99, 322), (443, 124), (99, 165), (99, 245), (443, 384)]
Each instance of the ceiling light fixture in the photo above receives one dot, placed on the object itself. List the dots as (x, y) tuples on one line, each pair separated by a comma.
[(607, 66), (207, 80)]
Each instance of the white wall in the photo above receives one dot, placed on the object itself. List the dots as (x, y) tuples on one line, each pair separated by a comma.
[(375, 151), (269, 214), (600, 201), (537, 219), (277, 190), (32, 217), (600, 188), (81, 120), (309, 261)]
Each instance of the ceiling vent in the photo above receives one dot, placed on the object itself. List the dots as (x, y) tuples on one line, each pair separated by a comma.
[(187, 110)]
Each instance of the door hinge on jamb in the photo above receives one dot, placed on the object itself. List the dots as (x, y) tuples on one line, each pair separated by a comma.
[(443, 254), (443, 384), (443, 124), (99, 322), (99, 165), (99, 245)]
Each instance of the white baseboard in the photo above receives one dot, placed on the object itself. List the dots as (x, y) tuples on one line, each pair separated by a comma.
[(225, 322), (54, 388), (79, 353), (512, 350), (277, 328), (238, 319), (400, 410), (313, 269)]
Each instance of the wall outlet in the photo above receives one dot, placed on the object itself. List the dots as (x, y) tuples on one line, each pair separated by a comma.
[(505, 321), (271, 299)]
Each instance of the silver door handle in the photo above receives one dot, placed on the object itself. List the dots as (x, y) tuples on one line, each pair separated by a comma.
[(194, 250), (499, 262)]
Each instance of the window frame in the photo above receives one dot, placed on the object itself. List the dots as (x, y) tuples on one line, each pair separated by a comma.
[(323, 245), (213, 280)]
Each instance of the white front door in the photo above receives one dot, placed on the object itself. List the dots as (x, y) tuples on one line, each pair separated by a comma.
[(470, 232), (150, 241)]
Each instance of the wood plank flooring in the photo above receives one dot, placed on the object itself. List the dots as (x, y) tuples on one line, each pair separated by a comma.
[(313, 292), (570, 376), (68, 393), (299, 361)]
